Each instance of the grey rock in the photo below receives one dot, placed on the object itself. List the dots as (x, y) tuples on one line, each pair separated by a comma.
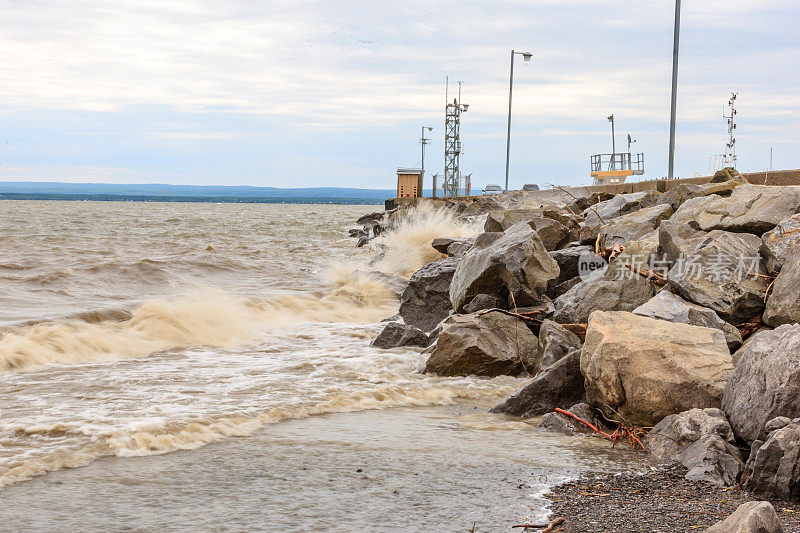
[(511, 263), (781, 243), (370, 218), (619, 205), (440, 244), (558, 423), (720, 270), (750, 208), (561, 385), (774, 468), (777, 423), (702, 441), (674, 239), (646, 369), (555, 342), (396, 334), (426, 300), (553, 233), (616, 289), (567, 260), (482, 206), (460, 246), (765, 383), (485, 301), (633, 226), (686, 191), (484, 345), (783, 304), (673, 308), (750, 517)]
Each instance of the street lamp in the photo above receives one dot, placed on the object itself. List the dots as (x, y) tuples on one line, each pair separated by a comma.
[(613, 145), (423, 141), (672, 117), (527, 57)]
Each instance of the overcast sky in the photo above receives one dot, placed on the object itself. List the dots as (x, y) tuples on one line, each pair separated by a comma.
[(333, 93)]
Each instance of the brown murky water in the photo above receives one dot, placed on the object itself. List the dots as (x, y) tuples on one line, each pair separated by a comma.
[(208, 368)]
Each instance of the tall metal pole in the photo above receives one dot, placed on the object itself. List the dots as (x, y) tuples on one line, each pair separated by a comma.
[(422, 140), (508, 136), (613, 145), (674, 89)]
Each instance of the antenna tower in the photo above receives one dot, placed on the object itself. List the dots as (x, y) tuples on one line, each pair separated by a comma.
[(730, 147), (452, 143)]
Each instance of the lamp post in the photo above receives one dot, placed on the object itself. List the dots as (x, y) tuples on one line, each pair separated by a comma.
[(613, 145), (423, 141), (672, 117), (527, 57)]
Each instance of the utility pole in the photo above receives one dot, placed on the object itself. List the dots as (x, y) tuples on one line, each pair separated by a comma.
[(674, 89)]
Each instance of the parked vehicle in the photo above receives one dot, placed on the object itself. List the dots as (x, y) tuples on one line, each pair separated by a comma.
[(493, 189), (530, 187)]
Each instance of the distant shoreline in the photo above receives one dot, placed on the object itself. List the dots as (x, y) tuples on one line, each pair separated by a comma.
[(188, 199)]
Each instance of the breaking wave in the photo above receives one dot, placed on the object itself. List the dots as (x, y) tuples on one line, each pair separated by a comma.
[(206, 317), (407, 247)]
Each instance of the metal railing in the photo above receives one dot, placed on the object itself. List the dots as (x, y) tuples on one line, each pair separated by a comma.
[(623, 161)]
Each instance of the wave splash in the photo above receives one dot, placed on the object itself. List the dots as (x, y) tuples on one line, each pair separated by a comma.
[(203, 317), (407, 247)]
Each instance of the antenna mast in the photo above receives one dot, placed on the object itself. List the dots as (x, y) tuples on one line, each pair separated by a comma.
[(452, 144), (730, 147)]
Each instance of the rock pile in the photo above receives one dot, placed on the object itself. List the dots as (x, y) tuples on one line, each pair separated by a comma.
[(651, 310)]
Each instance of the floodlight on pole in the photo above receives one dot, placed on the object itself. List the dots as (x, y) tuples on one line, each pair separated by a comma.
[(527, 57)]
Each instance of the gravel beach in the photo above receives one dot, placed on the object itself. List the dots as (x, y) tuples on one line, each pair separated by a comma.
[(660, 501)]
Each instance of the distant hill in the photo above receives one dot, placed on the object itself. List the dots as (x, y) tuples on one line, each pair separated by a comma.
[(189, 193)]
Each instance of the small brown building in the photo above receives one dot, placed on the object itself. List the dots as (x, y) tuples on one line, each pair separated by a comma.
[(409, 183)]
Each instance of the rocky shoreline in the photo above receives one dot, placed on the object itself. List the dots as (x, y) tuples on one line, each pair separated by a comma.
[(667, 320)]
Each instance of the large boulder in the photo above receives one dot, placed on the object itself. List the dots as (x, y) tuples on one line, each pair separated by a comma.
[(395, 334), (561, 385), (555, 342), (567, 260), (646, 369), (750, 208), (426, 300), (702, 441), (551, 224), (686, 191), (619, 205), (616, 289), (513, 263), (673, 308), (766, 382), (774, 467), (781, 243), (783, 304), (633, 226), (750, 517), (721, 270), (484, 345)]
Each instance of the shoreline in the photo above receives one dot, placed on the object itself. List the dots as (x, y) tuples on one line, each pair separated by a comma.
[(659, 500)]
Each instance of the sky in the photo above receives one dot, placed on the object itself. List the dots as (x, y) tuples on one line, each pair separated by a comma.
[(307, 93)]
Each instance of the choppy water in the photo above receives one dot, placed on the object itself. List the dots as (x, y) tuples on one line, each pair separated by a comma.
[(133, 333)]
